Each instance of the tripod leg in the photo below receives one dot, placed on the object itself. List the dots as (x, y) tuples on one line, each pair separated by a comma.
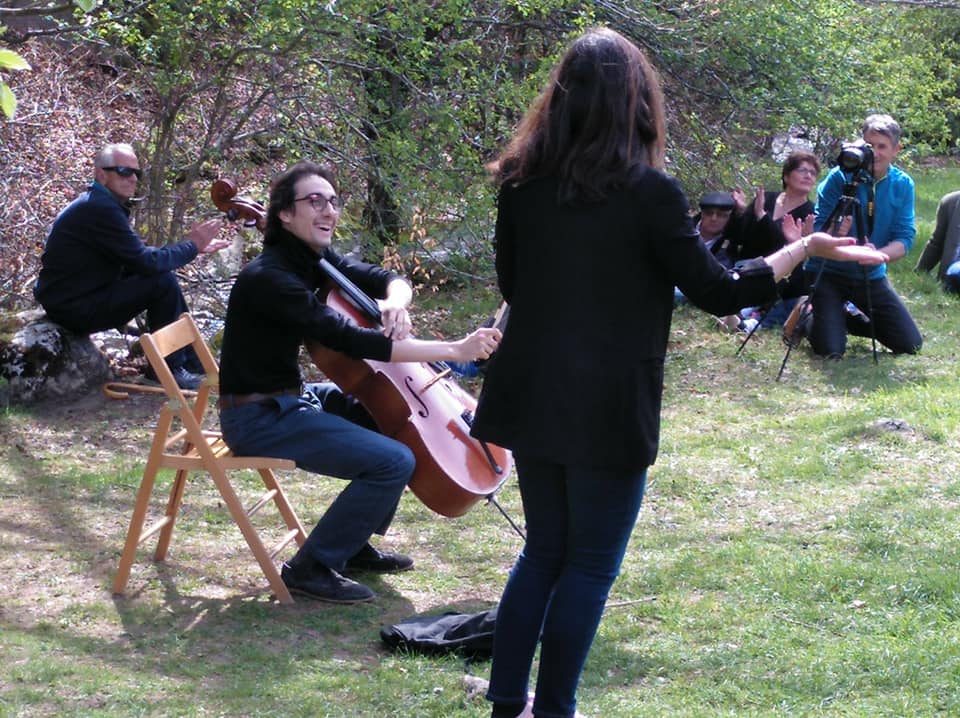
[(873, 325), (753, 330), (783, 364), (861, 239)]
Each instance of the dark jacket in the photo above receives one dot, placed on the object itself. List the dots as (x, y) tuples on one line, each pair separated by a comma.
[(760, 237), (727, 247), (92, 245), (943, 249), (578, 375), (278, 302)]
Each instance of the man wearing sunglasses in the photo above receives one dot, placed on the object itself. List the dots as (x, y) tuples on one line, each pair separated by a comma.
[(97, 273)]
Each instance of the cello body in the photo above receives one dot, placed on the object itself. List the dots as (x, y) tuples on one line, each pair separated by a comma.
[(418, 405)]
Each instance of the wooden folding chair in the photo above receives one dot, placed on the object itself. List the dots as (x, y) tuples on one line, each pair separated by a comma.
[(180, 442)]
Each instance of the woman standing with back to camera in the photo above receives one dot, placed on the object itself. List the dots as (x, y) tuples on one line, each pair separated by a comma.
[(591, 238)]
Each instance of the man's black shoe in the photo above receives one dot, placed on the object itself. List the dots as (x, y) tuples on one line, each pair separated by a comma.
[(370, 559), (324, 584)]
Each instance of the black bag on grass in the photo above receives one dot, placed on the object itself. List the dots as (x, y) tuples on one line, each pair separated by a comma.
[(466, 634)]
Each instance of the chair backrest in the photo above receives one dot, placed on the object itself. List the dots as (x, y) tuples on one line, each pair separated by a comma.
[(158, 345)]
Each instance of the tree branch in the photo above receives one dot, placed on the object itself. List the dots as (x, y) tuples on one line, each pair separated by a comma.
[(34, 11), (929, 4)]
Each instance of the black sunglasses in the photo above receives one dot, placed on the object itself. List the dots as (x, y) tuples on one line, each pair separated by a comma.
[(124, 171)]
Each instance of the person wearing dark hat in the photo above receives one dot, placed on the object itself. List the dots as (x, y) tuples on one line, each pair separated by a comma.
[(715, 225)]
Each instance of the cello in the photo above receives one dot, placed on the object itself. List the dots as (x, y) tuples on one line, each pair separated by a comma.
[(416, 403)]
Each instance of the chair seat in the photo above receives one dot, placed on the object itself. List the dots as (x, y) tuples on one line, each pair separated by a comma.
[(192, 459)]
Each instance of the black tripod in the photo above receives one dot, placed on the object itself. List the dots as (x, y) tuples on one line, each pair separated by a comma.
[(847, 206)]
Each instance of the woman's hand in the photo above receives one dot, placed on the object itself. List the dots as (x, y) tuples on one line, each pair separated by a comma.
[(792, 229), (795, 229), (759, 200), (739, 199), (479, 344), (843, 249)]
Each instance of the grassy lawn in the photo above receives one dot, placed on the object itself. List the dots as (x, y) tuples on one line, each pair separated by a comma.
[(797, 554)]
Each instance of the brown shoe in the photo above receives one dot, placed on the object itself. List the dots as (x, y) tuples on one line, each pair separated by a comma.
[(797, 326)]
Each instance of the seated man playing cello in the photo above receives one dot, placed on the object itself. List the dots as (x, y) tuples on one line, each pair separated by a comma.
[(274, 308)]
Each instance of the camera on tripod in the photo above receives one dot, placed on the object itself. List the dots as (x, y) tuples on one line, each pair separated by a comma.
[(856, 158)]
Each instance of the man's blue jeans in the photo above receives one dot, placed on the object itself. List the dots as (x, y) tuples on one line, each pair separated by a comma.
[(891, 321), (579, 521), (322, 432), (159, 295)]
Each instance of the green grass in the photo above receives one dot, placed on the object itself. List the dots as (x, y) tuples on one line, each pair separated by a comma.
[(796, 555)]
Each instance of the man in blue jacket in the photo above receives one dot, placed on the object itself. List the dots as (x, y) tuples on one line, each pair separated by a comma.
[(97, 273), (884, 218)]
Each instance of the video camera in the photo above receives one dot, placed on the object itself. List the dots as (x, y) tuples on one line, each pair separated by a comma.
[(856, 158)]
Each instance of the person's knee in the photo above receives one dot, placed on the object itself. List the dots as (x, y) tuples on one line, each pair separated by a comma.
[(828, 348), (403, 464), (911, 346)]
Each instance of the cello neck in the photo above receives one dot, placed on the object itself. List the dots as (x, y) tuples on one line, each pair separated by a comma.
[(356, 295)]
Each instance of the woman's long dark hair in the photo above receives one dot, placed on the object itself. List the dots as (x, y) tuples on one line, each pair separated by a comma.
[(600, 115)]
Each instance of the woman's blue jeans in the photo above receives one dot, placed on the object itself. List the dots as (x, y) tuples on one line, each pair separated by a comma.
[(322, 432), (579, 521)]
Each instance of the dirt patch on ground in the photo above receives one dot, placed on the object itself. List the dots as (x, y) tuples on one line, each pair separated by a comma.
[(40, 518)]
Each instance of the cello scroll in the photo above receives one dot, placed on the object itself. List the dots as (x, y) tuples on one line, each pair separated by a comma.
[(238, 209)]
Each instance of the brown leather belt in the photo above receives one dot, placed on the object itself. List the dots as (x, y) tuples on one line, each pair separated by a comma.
[(228, 401)]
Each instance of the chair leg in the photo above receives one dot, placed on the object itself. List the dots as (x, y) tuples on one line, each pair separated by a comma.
[(263, 557), (134, 531), (283, 506), (173, 506)]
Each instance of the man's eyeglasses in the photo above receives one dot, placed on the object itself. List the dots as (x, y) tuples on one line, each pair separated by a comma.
[(319, 202), (124, 171)]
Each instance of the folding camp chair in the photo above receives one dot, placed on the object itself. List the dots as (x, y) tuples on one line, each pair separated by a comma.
[(181, 443)]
